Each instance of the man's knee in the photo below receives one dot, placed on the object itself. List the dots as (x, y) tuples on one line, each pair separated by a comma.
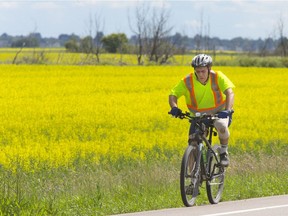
[(222, 128), (223, 133)]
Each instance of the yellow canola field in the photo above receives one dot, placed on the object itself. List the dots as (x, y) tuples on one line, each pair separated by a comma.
[(65, 116)]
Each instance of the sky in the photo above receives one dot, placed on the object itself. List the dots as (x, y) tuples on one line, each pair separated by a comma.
[(228, 19)]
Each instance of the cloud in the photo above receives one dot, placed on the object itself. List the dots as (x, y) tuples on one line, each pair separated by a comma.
[(192, 23), (45, 5), (105, 3), (161, 4), (7, 5)]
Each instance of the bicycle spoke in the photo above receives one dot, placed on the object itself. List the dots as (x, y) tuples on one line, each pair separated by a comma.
[(215, 183), (189, 180)]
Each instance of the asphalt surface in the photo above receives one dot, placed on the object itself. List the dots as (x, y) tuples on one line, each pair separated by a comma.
[(265, 206)]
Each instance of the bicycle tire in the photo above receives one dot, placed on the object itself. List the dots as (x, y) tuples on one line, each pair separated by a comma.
[(189, 186), (215, 181)]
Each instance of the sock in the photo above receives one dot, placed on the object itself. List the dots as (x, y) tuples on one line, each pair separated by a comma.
[(223, 149)]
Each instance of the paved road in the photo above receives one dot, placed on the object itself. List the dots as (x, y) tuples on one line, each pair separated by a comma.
[(266, 206)]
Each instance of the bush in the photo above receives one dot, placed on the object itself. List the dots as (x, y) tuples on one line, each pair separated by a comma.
[(284, 62), (269, 62), (248, 62)]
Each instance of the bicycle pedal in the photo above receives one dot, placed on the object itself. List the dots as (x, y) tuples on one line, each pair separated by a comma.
[(189, 190)]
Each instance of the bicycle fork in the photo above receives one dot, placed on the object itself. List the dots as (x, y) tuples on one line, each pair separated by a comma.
[(197, 173)]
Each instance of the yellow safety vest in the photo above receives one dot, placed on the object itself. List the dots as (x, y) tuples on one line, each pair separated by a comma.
[(211, 101)]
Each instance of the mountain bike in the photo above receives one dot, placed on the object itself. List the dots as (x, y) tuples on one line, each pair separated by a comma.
[(201, 161)]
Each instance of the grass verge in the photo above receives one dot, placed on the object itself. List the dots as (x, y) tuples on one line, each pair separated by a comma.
[(114, 189)]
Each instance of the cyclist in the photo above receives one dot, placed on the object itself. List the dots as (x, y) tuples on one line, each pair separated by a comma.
[(210, 92)]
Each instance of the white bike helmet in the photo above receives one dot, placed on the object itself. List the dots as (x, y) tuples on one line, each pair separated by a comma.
[(201, 60)]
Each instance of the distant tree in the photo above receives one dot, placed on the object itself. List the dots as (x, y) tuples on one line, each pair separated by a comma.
[(265, 46), (26, 42), (98, 41), (181, 43), (35, 35), (72, 45), (64, 38), (282, 47), (86, 45), (175, 44), (5, 36), (6, 40), (114, 42)]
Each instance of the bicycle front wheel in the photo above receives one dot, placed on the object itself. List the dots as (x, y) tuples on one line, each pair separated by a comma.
[(216, 176), (189, 179)]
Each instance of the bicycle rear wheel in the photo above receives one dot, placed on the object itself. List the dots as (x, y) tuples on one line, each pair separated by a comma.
[(189, 180), (215, 181)]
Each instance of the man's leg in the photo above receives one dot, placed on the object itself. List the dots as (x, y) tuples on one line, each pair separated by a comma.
[(223, 132)]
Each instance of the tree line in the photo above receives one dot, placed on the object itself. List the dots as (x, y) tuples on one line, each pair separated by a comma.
[(152, 39)]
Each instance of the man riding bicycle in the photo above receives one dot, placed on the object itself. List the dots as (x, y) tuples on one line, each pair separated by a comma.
[(210, 92)]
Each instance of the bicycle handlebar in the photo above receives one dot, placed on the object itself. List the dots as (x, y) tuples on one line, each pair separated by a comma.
[(187, 115)]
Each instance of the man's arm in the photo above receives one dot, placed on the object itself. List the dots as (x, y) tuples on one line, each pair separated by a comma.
[(229, 98), (173, 101)]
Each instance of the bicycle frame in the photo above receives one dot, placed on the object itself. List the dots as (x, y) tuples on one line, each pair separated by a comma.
[(200, 137)]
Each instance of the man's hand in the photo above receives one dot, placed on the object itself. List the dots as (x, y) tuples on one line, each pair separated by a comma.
[(224, 114), (176, 112)]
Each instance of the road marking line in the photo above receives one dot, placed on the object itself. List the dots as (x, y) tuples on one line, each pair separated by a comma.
[(247, 210)]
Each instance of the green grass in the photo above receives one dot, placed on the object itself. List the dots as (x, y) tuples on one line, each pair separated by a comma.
[(117, 188), (60, 56)]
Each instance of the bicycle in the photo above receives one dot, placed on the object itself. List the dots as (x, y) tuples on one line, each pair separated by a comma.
[(201, 162)]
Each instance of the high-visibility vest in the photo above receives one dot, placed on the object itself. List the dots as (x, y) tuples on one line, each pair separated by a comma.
[(219, 101)]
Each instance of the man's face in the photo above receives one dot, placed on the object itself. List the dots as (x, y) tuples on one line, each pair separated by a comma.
[(202, 74)]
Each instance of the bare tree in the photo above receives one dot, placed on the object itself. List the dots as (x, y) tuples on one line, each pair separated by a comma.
[(152, 34), (202, 39), (99, 28), (158, 32), (199, 38), (167, 49), (283, 40), (181, 42), (17, 53), (264, 49), (207, 37), (140, 30), (95, 32)]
